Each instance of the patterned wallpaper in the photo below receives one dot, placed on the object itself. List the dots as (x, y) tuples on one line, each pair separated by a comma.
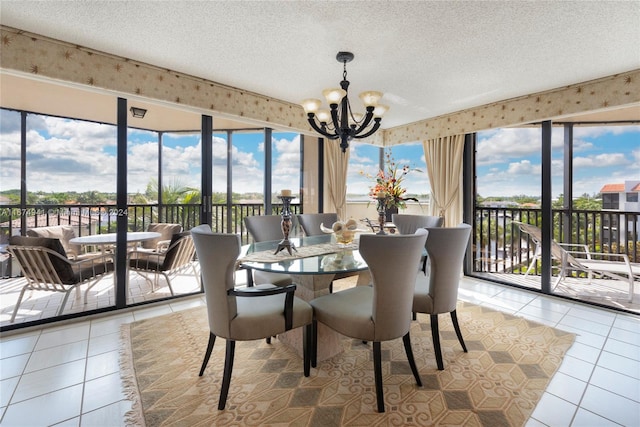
[(30, 53), (34, 54), (617, 90)]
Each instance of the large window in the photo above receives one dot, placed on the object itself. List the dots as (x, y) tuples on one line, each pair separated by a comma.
[(364, 164), (285, 164), (509, 187)]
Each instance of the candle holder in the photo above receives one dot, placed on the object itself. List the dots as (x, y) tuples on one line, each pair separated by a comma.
[(285, 224), (382, 202)]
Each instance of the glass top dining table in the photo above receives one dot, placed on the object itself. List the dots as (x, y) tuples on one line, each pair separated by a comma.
[(317, 262), (314, 255)]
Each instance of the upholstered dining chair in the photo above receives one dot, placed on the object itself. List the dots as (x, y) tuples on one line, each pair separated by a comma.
[(243, 314), (310, 223), (380, 312), (408, 224), (264, 228), (437, 293)]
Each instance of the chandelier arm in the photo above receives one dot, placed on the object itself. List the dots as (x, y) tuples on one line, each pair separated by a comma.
[(375, 127), (366, 121), (314, 125)]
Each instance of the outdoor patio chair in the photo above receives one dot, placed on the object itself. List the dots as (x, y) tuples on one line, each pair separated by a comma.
[(160, 244), (615, 266), (64, 233), (178, 258), (46, 267)]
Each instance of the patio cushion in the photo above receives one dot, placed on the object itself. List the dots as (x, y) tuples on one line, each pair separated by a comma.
[(62, 232), (64, 270)]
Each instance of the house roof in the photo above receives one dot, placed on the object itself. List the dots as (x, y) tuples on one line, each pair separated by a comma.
[(612, 188)]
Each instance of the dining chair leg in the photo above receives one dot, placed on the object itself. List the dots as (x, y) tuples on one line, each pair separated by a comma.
[(306, 348), (207, 354), (435, 333), (412, 362), (226, 377), (377, 370), (314, 343), (456, 326)]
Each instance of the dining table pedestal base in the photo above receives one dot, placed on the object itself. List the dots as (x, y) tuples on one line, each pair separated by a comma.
[(312, 286)]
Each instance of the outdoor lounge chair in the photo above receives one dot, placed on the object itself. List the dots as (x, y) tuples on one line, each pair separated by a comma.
[(46, 267), (616, 266), (179, 256), (160, 244)]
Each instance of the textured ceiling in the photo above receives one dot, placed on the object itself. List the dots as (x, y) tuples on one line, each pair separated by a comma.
[(428, 57)]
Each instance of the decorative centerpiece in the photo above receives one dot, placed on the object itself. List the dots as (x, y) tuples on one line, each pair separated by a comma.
[(344, 232), (388, 192), (285, 224)]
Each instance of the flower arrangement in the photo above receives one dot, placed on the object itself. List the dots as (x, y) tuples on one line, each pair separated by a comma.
[(388, 189)]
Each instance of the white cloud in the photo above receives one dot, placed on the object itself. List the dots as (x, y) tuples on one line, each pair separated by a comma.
[(523, 167), (601, 161)]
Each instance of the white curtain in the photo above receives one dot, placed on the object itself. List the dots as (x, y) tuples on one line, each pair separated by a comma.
[(337, 163), (444, 165)]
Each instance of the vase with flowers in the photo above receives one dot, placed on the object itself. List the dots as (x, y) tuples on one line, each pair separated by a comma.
[(388, 191)]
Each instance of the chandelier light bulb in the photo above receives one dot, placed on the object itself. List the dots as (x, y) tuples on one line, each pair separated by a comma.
[(334, 95), (379, 110), (311, 105), (370, 98), (323, 116)]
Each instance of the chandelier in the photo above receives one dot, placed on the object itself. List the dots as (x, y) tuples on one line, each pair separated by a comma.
[(340, 122)]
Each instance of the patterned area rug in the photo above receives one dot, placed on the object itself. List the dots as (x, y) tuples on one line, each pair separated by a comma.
[(497, 383)]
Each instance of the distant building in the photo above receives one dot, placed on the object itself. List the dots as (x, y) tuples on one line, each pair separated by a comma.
[(619, 227)]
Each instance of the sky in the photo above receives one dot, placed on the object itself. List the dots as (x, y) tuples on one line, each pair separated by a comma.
[(72, 155), (508, 160)]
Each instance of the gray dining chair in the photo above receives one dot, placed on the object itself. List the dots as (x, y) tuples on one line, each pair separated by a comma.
[(382, 311), (264, 228), (437, 293), (243, 314), (408, 224), (310, 223)]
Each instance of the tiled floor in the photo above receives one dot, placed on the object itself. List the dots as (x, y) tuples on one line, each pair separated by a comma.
[(69, 375)]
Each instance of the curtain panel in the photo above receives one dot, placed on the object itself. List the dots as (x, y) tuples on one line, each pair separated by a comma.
[(337, 163), (444, 165)]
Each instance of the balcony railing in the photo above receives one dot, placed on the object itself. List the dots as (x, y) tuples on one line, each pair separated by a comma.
[(92, 219), (499, 247)]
